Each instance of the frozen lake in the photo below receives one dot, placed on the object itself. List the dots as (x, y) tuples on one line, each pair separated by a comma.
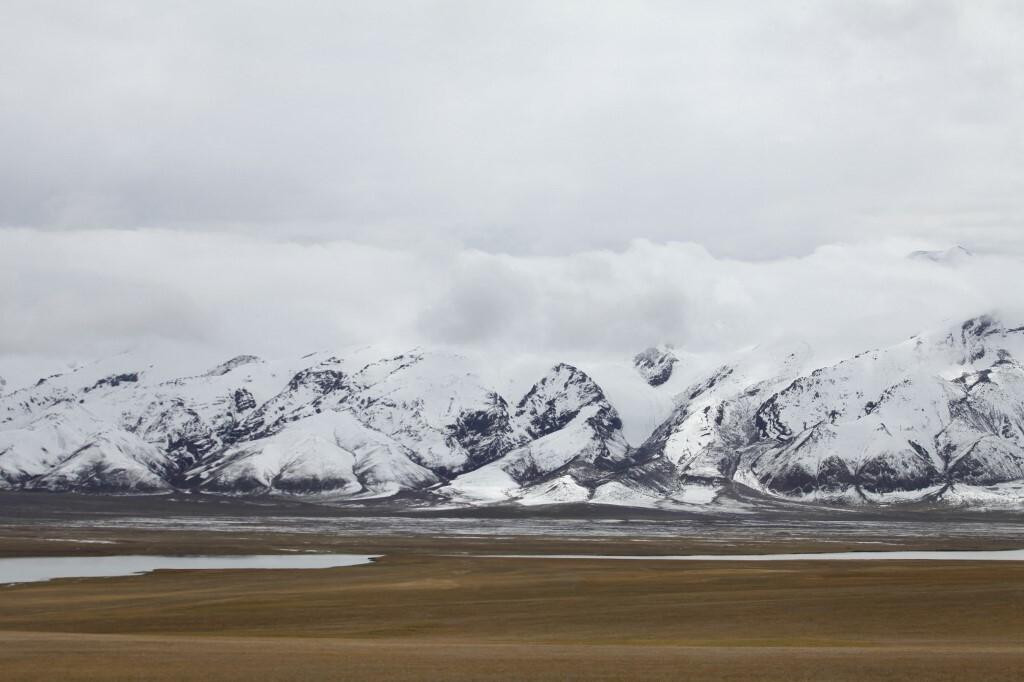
[(36, 569)]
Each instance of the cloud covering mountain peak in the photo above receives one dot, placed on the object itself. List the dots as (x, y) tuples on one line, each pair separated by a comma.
[(217, 293)]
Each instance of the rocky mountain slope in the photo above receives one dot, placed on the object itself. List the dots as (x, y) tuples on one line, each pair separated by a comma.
[(936, 418), (939, 416)]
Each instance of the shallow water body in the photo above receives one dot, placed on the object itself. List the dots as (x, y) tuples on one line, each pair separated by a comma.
[(994, 555), (37, 569)]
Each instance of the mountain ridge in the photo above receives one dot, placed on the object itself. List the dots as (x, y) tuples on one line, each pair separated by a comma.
[(938, 417)]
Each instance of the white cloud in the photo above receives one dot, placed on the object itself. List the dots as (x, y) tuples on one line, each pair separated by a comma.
[(87, 293)]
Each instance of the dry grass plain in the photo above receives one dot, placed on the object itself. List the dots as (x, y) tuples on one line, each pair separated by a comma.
[(427, 610), (424, 612)]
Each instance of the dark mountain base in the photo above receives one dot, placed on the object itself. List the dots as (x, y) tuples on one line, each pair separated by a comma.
[(40, 506)]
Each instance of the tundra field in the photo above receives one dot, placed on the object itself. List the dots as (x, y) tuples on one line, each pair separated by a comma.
[(433, 607)]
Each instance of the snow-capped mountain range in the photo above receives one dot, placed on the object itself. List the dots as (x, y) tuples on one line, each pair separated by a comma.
[(938, 418)]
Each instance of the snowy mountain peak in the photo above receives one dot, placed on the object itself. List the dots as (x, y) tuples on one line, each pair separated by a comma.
[(954, 255), (983, 338), (556, 399), (655, 364), (568, 439), (235, 362)]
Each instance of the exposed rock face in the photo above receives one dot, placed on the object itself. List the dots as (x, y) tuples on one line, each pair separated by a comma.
[(233, 363), (243, 400), (655, 365), (484, 433), (180, 431), (938, 417), (951, 256), (114, 380)]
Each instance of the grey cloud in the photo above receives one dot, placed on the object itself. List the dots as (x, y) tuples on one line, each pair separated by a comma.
[(530, 178), (756, 129)]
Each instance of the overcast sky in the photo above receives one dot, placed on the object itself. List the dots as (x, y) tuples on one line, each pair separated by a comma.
[(459, 172)]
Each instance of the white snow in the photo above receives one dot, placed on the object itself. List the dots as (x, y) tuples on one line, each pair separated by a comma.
[(938, 416)]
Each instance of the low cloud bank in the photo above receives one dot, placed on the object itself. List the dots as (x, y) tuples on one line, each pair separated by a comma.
[(86, 293)]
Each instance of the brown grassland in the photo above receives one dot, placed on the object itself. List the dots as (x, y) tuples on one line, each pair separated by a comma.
[(423, 611)]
